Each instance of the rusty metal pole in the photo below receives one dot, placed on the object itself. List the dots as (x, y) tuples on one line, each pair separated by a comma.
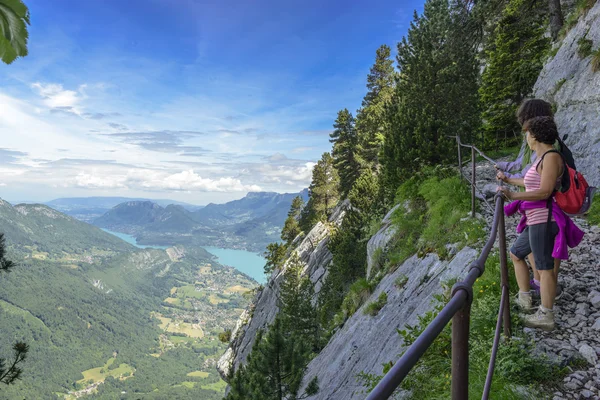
[(460, 353), (473, 182), (459, 157), (504, 272)]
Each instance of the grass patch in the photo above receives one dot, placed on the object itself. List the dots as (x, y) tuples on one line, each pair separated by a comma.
[(217, 299), (216, 386), (584, 47), (558, 85), (581, 9), (99, 374), (189, 385), (509, 151), (435, 206), (596, 60), (357, 295), (515, 365), (199, 374), (401, 281), (374, 307)]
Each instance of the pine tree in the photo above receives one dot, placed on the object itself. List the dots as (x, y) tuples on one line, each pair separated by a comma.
[(10, 373), (349, 247), (371, 118), (515, 56), (323, 193), (435, 95), (275, 256), (291, 227), (345, 146)]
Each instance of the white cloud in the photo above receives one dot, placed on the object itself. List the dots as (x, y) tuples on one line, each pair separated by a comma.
[(55, 96), (2, 184), (150, 180)]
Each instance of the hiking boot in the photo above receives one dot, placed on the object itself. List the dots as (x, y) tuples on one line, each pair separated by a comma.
[(543, 320), (524, 301)]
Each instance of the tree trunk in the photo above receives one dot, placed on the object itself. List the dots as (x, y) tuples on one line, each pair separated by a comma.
[(556, 18)]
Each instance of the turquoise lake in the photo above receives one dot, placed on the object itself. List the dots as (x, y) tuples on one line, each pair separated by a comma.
[(247, 262)]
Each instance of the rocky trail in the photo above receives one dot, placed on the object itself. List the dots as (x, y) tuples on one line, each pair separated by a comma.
[(576, 339)]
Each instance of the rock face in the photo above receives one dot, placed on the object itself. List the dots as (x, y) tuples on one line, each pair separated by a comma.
[(380, 240), (366, 342), (569, 82), (316, 256)]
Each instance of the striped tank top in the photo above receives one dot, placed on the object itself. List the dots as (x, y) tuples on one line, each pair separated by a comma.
[(533, 181)]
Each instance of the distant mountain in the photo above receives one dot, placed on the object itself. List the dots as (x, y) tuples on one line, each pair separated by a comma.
[(44, 232), (89, 208), (250, 223)]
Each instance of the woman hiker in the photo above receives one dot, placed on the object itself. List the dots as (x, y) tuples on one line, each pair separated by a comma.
[(529, 108), (547, 238)]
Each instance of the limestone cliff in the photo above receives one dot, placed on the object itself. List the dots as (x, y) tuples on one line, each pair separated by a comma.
[(568, 81), (316, 257)]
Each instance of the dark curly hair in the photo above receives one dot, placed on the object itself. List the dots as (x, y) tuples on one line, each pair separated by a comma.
[(543, 129), (531, 108)]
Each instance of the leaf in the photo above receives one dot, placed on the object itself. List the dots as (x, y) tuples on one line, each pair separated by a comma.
[(14, 16)]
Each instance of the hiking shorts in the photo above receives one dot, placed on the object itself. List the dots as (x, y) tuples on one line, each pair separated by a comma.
[(535, 239)]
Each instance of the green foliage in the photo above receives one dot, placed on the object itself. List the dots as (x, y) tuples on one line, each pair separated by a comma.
[(358, 293), (584, 47), (515, 364), (435, 94), (291, 229), (593, 215), (349, 248), (345, 142), (559, 85), (374, 307), (14, 18), (275, 256), (434, 207), (225, 336), (596, 60), (515, 55), (581, 9), (371, 119), (324, 194), (276, 365), (401, 281)]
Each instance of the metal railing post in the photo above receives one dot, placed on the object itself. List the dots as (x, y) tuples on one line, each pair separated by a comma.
[(504, 272), (459, 157), (473, 182), (460, 352)]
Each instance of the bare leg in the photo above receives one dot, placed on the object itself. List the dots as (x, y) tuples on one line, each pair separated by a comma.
[(536, 274), (521, 272), (556, 268), (548, 288)]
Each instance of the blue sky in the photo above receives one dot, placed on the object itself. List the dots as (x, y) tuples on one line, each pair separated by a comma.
[(199, 101)]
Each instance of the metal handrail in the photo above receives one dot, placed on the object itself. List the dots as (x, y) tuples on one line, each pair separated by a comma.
[(458, 310)]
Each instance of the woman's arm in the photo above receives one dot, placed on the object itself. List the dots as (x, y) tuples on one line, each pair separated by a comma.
[(510, 180), (550, 171)]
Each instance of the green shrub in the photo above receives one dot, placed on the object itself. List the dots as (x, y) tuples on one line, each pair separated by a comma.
[(558, 85), (584, 47), (225, 337), (401, 281), (581, 9), (596, 60), (374, 307), (593, 215), (434, 213)]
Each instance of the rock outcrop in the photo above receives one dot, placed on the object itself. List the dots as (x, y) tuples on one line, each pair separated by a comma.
[(316, 257), (380, 241), (568, 81), (365, 342)]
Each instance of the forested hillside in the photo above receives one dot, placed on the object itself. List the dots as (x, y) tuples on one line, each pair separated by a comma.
[(101, 316), (462, 69)]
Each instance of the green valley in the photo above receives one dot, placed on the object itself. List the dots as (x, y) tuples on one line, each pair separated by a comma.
[(106, 320)]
